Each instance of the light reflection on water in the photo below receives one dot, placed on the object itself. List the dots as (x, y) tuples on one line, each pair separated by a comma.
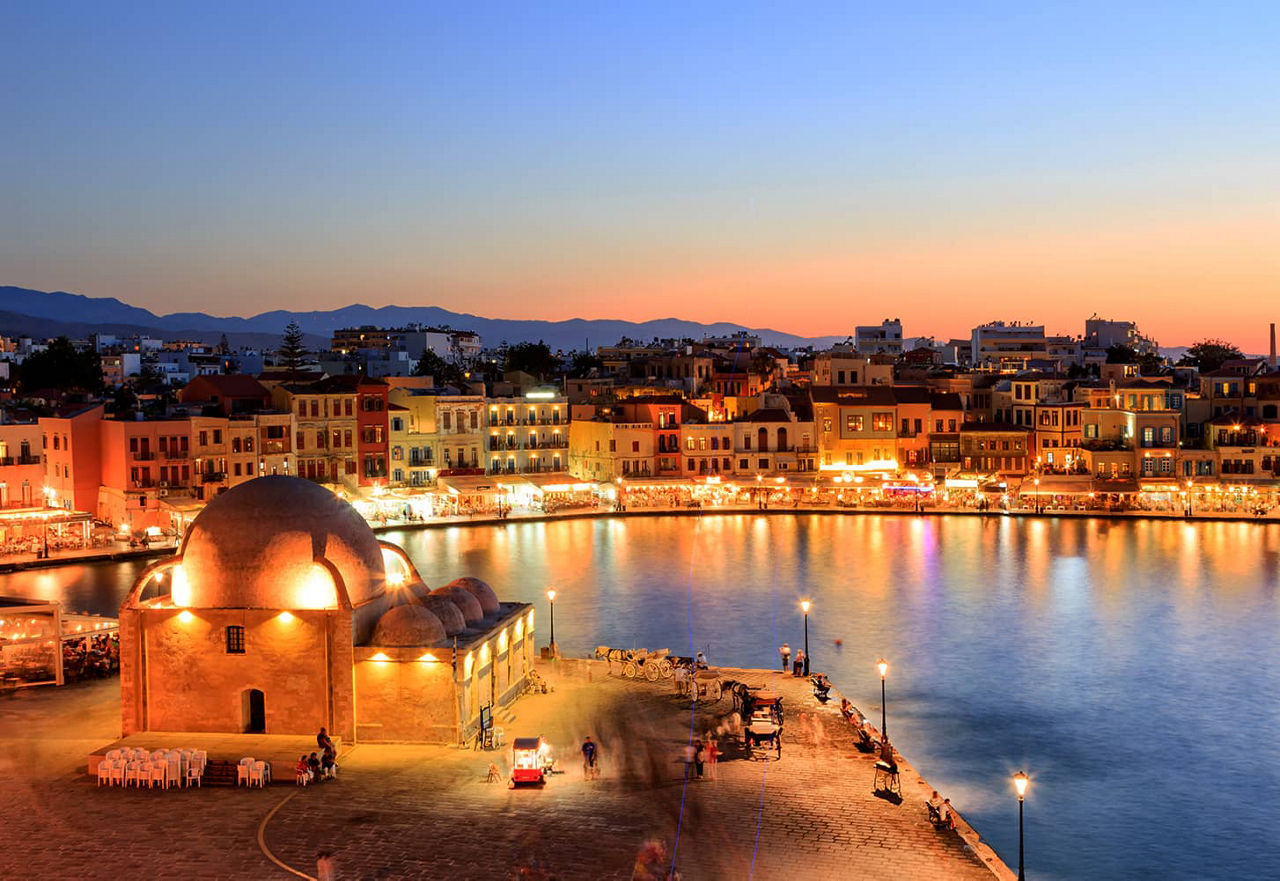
[(1130, 666)]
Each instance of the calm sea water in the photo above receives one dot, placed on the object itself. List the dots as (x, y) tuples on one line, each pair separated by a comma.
[(1131, 668)]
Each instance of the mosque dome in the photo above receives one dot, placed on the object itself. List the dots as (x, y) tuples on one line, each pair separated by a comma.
[(482, 592), (448, 613), (278, 543), (408, 625), (462, 598)]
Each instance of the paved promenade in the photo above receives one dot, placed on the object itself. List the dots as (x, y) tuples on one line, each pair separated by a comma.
[(427, 812)]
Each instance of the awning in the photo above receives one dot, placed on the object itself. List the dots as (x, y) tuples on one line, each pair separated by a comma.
[(1115, 486), (557, 482), (1058, 486), (469, 484)]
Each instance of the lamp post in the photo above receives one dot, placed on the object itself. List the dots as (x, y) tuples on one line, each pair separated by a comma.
[(883, 666), (1037, 483), (1188, 506), (804, 606), (1020, 782), (551, 599)]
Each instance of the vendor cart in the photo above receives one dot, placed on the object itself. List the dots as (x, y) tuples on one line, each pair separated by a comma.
[(528, 762)]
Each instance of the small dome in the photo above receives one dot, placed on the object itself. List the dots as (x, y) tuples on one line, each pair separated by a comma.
[(448, 613), (462, 598), (484, 593), (419, 590), (256, 545), (408, 625)]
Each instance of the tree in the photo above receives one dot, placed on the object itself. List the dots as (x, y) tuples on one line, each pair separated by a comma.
[(293, 351), (583, 363), (1121, 354), (532, 358), (63, 367), (124, 401), (223, 346), (1210, 354), (440, 370)]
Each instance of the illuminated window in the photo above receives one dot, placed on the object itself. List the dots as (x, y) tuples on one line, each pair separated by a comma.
[(235, 639)]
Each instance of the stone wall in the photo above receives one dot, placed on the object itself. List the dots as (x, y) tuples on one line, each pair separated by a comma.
[(192, 683), (405, 701)]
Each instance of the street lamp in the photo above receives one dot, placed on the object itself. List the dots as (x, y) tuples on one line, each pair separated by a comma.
[(1020, 782), (1037, 483), (804, 606), (1188, 509), (551, 598), (883, 666)]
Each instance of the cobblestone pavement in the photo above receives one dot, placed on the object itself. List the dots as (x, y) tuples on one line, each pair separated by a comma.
[(402, 811)]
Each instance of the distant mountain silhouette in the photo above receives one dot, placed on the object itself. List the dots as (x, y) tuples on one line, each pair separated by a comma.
[(103, 312)]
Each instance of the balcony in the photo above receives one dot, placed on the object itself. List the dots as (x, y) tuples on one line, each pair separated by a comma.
[(142, 456), (213, 477), (175, 454)]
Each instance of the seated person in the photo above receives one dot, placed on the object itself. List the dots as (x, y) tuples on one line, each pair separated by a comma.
[(846, 709), (948, 816), (886, 755), (328, 765), (304, 768), (313, 765)]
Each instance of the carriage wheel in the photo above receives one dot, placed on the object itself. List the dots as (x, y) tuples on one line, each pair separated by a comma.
[(629, 670), (665, 668), (651, 671)]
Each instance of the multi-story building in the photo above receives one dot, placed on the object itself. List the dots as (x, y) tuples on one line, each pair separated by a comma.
[(373, 444), (884, 338), (1121, 443), (22, 483), (72, 444), (325, 426), (706, 449), (1007, 346), (856, 428), (528, 435), (994, 449), (600, 449), (841, 366), (143, 460)]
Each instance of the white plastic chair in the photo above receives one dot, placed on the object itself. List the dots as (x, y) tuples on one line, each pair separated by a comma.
[(159, 754), (302, 778), (242, 770), (201, 758), (195, 774), (117, 771), (113, 754), (159, 772), (258, 775), (133, 773), (173, 771), (104, 771)]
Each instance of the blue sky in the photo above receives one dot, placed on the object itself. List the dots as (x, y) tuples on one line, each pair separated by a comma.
[(802, 167)]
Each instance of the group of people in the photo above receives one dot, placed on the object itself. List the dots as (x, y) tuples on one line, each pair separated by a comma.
[(702, 756), (942, 807), (798, 668), (321, 764)]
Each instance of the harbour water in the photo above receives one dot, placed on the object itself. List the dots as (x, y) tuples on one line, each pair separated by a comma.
[(1131, 667)]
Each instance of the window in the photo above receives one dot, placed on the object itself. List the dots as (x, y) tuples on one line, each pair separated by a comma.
[(764, 464), (235, 639), (475, 420), (1148, 436), (826, 427), (248, 445), (688, 443), (315, 408), (217, 435), (691, 465), (635, 446), (346, 407), (397, 424), (235, 445), (853, 423), (744, 464), (882, 422), (951, 425), (613, 445), (346, 438)]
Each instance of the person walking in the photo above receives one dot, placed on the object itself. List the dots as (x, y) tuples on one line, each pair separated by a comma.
[(713, 757), (798, 668), (785, 653), (589, 770), (699, 757)]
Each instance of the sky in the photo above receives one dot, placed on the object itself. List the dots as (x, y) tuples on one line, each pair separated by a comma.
[(801, 167)]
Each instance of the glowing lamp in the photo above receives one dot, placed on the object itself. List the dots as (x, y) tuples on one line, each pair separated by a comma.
[(185, 617), (180, 588), (883, 666), (1020, 781), (428, 657), (379, 656), (804, 605), (551, 595), (286, 617)]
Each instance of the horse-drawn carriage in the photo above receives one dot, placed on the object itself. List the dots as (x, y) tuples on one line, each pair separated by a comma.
[(640, 663), (762, 719)]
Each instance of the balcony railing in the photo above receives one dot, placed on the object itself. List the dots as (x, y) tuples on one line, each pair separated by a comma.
[(213, 477), (143, 455)]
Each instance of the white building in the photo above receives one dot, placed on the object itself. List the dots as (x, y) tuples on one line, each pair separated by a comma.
[(886, 337)]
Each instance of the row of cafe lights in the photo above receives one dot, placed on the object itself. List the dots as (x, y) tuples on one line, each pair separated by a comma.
[(1020, 780)]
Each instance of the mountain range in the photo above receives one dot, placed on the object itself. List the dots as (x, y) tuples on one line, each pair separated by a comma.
[(42, 314)]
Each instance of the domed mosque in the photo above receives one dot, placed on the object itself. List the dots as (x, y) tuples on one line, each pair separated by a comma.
[(282, 612)]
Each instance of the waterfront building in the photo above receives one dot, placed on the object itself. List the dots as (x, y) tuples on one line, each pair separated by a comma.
[(22, 467), (843, 366), (528, 434), (605, 450), (325, 434), (282, 612), (142, 461), (372, 447), (73, 455), (856, 428), (994, 449), (417, 432)]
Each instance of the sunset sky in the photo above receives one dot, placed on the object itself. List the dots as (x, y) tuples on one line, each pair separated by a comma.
[(805, 168)]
